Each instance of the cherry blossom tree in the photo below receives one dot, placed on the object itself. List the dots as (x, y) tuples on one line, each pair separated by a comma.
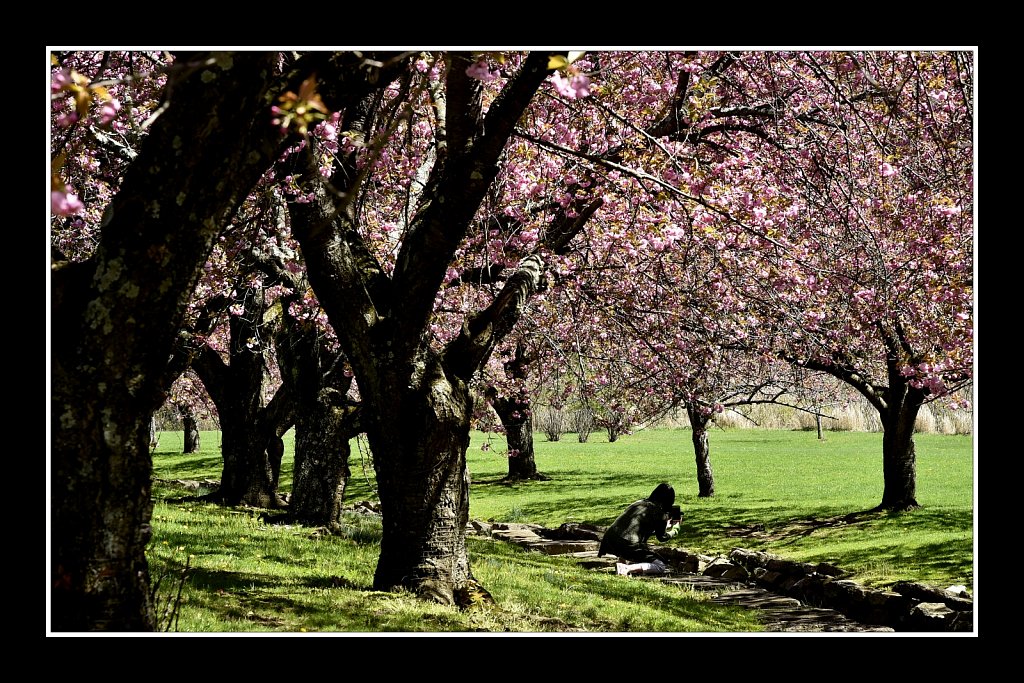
[(854, 248), (327, 408), (190, 402), (817, 205), (415, 395), (120, 287), (822, 203)]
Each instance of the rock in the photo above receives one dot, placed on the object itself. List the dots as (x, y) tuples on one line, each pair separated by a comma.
[(478, 527), (724, 569)]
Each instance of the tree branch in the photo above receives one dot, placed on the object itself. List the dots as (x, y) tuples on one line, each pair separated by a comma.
[(482, 332), (449, 201)]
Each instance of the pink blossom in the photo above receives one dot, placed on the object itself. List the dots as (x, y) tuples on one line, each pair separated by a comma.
[(108, 111), (575, 87), (65, 120), (887, 169), (581, 84), (59, 80), (480, 72), (65, 203)]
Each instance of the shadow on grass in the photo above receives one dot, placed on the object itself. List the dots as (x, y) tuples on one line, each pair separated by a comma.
[(257, 603), (863, 541), (782, 528), (558, 498), (799, 527), (197, 466)]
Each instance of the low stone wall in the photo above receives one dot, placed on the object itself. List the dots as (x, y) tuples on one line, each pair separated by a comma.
[(907, 606)]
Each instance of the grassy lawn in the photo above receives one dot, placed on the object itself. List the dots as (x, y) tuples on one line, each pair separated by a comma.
[(780, 491)]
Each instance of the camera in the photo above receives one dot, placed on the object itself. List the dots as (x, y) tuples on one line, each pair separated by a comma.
[(675, 513)]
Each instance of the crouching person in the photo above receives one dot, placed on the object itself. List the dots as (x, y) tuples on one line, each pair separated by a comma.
[(627, 537)]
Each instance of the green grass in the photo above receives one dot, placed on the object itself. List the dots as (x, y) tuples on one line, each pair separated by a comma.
[(779, 491)]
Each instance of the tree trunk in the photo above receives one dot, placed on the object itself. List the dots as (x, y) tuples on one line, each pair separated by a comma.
[(251, 442), (114, 320), (516, 415), (518, 423), (702, 452), (899, 459), (321, 465), (521, 462), (100, 513), (191, 429), (275, 454), (897, 404), (319, 380), (247, 477), (250, 434), (419, 441)]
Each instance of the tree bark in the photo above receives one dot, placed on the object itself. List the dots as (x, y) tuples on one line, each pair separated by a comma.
[(325, 422), (516, 415), (419, 445), (517, 420), (250, 433), (899, 457), (321, 471), (154, 441), (191, 430), (702, 452), (114, 320)]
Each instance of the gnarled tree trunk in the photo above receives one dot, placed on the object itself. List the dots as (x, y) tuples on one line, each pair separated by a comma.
[(250, 433), (191, 431), (702, 451), (899, 457), (419, 445), (321, 471), (325, 421), (516, 415), (115, 318)]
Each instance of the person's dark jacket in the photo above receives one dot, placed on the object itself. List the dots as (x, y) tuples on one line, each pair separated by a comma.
[(627, 536)]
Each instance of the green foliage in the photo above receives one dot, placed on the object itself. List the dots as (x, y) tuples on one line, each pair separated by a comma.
[(784, 492)]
